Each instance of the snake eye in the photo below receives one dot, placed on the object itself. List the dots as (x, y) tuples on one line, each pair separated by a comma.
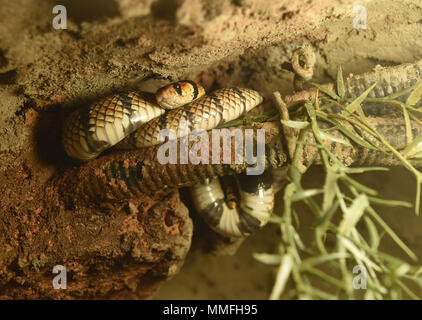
[(176, 87)]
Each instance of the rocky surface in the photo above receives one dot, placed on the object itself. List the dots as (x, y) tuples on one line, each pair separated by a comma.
[(127, 249)]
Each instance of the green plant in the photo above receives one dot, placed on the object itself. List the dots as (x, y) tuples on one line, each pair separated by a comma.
[(339, 205)]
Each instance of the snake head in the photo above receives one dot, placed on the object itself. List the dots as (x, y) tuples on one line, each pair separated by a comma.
[(179, 93)]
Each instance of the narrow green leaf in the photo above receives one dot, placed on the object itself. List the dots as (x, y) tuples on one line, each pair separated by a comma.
[(340, 83), (295, 124), (294, 174), (356, 103), (359, 255), (283, 274), (390, 203), (400, 93), (407, 290), (325, 277), (413, 147), (374, 238), (326, 136), (353, 214), (402, 270), (326, 217), (392, 234), (303, 194), (268, 258), (409, 135), (327, 91), (275, 219), (415, 96), (329, 190), (363, 169), (360, 187), (310, 262), (351, 135)]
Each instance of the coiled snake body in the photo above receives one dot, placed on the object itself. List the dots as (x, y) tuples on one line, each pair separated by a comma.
[(135, 119)]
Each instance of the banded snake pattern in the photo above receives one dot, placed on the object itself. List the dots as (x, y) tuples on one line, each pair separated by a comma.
[(134, 120), (143, 174)]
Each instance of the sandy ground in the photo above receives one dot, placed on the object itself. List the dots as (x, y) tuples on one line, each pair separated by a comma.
[(127, 44)]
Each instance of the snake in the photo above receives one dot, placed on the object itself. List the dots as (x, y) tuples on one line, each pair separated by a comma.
[(134, 120)]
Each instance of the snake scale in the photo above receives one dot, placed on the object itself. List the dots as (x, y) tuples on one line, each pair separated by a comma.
[(140, 172), (134, 120)]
